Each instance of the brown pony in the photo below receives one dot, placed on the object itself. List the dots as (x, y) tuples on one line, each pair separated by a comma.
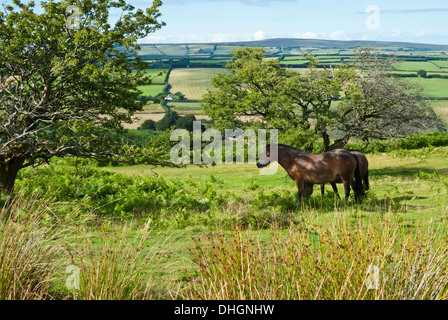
[(315, 168), (363, 170)]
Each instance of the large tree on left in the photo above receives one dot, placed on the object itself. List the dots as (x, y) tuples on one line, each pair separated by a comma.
[(68, 78)]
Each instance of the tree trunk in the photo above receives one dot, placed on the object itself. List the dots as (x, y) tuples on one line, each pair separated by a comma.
[(8, 174), (326, 141), (339, 143)]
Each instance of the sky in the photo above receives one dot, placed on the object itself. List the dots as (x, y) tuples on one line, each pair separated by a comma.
[(198, 21)]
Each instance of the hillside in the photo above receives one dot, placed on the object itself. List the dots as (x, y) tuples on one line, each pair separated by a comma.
[(283, 46)]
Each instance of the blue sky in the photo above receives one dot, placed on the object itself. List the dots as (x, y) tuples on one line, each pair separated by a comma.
[(241, 20)]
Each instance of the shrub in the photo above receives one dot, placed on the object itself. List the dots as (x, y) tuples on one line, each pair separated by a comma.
[(148, 125), (167, 121)]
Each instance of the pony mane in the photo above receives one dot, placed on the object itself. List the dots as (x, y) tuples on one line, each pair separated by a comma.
[(285, 146)]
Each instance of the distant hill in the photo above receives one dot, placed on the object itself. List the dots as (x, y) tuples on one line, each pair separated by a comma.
[(327, 44), (279, 46)]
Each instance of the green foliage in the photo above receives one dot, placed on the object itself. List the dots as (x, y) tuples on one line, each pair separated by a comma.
[(186, 122), (148, 125), (115, 195), (412, 142), (422, 73), (168, 120), (72, 79)]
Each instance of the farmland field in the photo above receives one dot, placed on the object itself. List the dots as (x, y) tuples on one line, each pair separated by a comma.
[(193, 82), (158, 75), (433, 88), (152, 90), (416, 66), (184, 108)]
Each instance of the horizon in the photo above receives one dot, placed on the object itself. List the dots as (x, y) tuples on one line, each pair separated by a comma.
[(301, 39)]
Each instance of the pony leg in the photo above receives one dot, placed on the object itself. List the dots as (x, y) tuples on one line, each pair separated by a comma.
[(346, 188), (322, 189), (301, 187), (335, 188)]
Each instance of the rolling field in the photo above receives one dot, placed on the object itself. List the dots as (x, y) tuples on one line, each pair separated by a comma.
[(158, 75), (433, 88), (184, 108), (152, 90), (441, 109), (193, 82), (416, 66)]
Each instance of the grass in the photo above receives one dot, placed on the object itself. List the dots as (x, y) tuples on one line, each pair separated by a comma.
[(157, 75), (417, 186), (193, 82), (440, 107), (433, 88), (322, 250), (416, 66), (347, 259), (151, 90)]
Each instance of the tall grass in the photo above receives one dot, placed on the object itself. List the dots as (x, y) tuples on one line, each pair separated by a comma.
[(351, 258), (119, 264), (30, 249)]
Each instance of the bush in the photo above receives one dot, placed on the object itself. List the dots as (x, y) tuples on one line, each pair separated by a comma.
[(112, 194), (148, 125), (186, 122), (167, 121)]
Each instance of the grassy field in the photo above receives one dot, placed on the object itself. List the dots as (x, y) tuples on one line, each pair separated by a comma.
[(433, 88), (184, 108), (158, 75), (418, 185), (152, 90), (441, 109), (192, 82), (416, 66)]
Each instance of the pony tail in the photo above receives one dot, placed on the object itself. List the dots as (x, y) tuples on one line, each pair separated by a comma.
[(358, 187)]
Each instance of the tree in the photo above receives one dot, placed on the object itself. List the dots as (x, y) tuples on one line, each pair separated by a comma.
[(422, 73), (186, 122), (168, 120), (65, 88), (178, 96), (259, 93), (378, 106), (148, 125)]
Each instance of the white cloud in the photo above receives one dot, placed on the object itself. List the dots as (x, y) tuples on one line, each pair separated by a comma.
[(339, 35), (259, 35)]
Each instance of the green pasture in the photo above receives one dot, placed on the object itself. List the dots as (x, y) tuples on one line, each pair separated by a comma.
[(184, 108), (158, 75), (414, 182), (193, 82), (172, 50), (416, 66), (433, 88), (440, 107), (152, 90), (441, 64)]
